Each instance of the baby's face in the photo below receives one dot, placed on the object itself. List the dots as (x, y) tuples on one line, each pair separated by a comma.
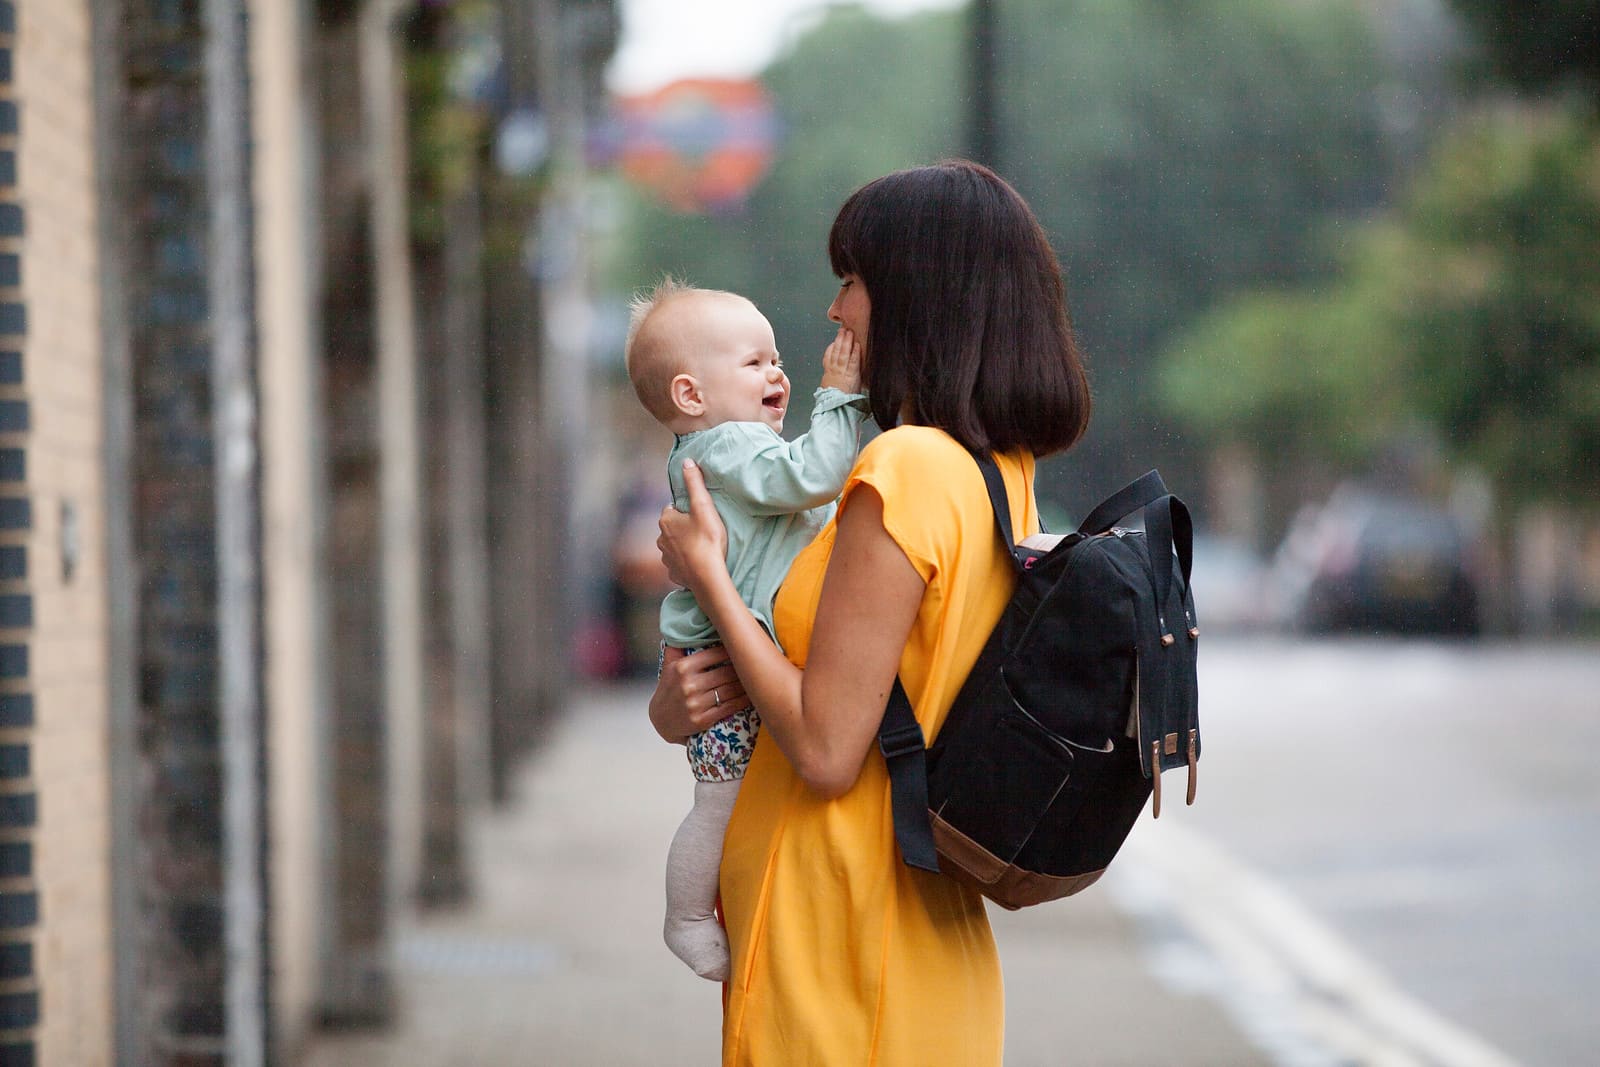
[(740, 374)]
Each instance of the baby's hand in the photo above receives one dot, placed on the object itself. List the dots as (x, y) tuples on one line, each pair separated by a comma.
[(841, 363)]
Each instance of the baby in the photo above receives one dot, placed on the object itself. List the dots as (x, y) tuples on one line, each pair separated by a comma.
[(705, 364)]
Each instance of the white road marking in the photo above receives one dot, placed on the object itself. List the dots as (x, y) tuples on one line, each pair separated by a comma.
[(1306, 996)]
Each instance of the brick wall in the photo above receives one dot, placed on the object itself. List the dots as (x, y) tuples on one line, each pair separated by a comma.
[(62, 591)]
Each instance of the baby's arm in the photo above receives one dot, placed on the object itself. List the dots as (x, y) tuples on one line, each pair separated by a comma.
[(841, 363), (771, 476)]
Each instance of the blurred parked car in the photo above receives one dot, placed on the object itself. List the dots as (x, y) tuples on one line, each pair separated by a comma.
[(1373, 561)]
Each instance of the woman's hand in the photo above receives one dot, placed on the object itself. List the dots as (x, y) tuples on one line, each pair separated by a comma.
[(694, 546), (694, 692)]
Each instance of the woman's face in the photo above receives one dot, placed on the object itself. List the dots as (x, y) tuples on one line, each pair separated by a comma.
[(852, 309)]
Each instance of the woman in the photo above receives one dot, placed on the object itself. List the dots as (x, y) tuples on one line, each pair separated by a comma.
[(841, 953)]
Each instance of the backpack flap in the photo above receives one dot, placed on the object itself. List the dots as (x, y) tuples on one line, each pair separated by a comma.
[(1165, 713)]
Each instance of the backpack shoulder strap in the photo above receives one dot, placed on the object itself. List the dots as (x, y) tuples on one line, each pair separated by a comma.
[(906, 755), (900, 737), (995, 483)]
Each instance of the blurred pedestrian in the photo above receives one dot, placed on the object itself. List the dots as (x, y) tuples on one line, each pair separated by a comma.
[(840, 952)]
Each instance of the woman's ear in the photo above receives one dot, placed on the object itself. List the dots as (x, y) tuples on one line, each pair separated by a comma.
[(687, 397)]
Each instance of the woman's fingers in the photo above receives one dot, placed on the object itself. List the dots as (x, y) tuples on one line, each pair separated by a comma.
[(694, 692), (710, 687), (722, 692), (673, 524), (701, 509), (692, 543)]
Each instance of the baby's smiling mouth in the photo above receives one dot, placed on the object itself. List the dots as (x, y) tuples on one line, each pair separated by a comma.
[(775, 402)]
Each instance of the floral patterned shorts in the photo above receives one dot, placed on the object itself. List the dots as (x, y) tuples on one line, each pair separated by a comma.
[(722, 752)]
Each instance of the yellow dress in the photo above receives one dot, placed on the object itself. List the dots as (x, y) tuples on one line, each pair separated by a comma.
[(842, 955)]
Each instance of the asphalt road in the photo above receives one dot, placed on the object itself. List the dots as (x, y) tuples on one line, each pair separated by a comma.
[(1393, 859), (1434, 807)]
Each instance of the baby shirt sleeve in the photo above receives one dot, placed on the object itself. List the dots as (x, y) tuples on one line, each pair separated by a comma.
[(771, 476)]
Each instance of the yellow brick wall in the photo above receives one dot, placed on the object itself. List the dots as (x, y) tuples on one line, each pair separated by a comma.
[(62, 361)]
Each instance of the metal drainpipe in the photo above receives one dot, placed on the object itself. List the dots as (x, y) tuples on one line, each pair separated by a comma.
[(234, 406)]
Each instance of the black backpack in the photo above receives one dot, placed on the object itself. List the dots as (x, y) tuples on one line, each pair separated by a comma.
[(1083, 694)]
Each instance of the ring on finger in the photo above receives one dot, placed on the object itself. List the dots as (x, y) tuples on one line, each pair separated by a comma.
[(716, 695)]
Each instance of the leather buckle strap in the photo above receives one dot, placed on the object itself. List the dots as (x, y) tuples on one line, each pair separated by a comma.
[(902, 740)]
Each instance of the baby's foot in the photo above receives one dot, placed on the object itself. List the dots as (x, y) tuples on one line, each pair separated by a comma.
[(702, 944)]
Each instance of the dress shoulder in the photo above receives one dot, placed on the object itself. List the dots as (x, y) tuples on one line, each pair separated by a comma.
[(929, 485), (910, 453)]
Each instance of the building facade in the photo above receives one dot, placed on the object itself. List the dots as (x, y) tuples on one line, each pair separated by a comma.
[(251, 589), (56, 793)]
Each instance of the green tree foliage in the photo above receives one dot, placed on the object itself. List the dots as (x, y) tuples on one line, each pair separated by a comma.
[(444, 133), (1499, 247), (1539, 44), (1179, 152), (1311, 373), (1174, 152), (1475, 306)]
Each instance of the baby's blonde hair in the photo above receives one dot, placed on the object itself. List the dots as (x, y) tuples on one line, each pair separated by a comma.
[(648, 354)]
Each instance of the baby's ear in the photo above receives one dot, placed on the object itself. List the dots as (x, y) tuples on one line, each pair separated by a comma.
[(686, 396)]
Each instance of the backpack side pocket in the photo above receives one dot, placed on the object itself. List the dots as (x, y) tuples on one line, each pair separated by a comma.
[(1007, 779)]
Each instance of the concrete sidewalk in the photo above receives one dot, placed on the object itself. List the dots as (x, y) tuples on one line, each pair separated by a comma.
[(559, 960)]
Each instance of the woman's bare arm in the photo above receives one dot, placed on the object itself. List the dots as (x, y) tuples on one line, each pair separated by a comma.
[(824, 718), (870, 598)]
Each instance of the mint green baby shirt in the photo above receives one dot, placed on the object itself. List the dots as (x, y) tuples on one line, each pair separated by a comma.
[(773, 495)]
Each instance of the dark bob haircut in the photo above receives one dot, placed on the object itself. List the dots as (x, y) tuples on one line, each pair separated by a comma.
[(969, 315)]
